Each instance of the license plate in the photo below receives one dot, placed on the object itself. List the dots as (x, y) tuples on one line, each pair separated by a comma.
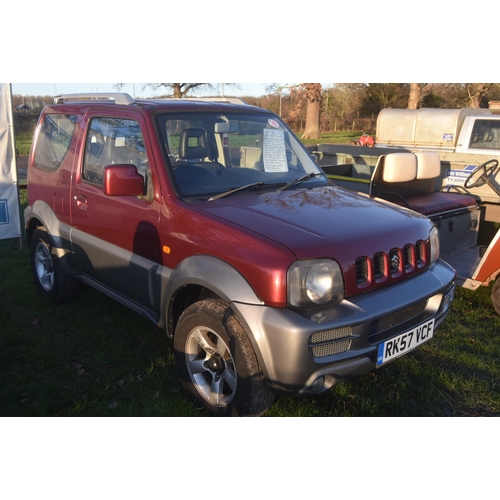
[(397, 346)]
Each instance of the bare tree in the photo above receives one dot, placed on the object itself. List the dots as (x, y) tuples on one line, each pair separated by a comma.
[(415, 96), (313, 95), (347, 98), (417, 93), (302, 96), (387, 95), (476, 92), (181, 89)]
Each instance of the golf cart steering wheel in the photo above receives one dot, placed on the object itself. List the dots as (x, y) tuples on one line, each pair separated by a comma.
[(486, 169)]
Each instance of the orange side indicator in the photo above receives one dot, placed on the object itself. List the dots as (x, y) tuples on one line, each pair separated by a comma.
[(166, 249)]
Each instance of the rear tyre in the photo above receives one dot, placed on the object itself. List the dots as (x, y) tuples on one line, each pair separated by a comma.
[(217, 364), (49, 277), (495, 295)]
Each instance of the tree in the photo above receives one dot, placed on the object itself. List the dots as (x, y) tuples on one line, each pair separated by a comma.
[(384, 95), (415, 93), (309, 94), (181, 89), (346, 98), (418, 91), (477, 93), (432, 100), (313, 93)]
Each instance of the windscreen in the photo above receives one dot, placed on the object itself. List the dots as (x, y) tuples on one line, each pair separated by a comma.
[(210, 154)]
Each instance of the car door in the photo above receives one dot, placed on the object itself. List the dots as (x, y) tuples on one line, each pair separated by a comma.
[(115, 238)]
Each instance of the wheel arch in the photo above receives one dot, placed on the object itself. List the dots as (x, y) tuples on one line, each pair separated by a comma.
[(200, 277), (40, 214), (31, 226)]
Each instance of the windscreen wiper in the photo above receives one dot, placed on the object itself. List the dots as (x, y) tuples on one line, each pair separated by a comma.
[(235, 190), (310, 175)]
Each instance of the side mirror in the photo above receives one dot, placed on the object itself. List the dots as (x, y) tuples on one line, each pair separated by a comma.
[(123, 180)]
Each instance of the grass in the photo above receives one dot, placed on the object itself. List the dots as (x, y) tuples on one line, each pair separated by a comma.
[(93, 357), (23, 143), (332, 138), (90, 357)]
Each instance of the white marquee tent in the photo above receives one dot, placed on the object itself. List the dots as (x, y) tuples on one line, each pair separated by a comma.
[(10, 222)]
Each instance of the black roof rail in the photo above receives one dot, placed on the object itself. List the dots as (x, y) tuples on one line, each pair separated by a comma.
[(118, 97)]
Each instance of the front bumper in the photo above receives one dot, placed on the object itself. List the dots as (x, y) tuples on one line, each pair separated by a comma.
[(308, 352)]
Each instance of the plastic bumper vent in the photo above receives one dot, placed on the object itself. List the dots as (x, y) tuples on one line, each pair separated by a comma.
[(330, 342)]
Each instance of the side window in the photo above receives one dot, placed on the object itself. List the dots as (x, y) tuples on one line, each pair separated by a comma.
[(485, 135), (53, 141), (113, 141)]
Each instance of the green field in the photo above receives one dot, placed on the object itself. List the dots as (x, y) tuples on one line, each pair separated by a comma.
[(23, 143), (332, 138)]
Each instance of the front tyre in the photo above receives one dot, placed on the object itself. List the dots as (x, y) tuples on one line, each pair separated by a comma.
[(49, 277), (217, 364)]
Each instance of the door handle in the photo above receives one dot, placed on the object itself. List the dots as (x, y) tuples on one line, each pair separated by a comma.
[(81, 202)]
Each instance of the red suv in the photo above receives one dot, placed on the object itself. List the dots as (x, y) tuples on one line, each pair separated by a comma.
[(213, 221)]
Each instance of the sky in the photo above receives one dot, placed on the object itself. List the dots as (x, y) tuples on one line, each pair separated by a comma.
[(137, 90)]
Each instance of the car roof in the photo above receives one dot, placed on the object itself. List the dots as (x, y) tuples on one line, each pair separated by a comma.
[(216, 104)]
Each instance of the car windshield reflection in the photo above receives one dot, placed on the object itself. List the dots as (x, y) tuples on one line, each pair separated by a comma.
[(212, 155)]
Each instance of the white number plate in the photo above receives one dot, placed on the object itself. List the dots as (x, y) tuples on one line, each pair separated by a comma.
[(397, 346)]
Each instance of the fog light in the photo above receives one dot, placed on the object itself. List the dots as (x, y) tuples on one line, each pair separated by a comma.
[(318, 384)]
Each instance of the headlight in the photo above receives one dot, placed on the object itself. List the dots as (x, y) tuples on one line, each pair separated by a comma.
[(434, 242), (313, 282)]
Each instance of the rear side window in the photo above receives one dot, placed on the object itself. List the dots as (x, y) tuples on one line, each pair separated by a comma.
[(53, 142)]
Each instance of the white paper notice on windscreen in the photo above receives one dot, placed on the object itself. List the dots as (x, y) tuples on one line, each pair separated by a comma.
[(274, 154)]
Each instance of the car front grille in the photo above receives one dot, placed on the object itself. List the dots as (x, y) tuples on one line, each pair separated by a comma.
[(384, 266), (381, 325), (338, 340)]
